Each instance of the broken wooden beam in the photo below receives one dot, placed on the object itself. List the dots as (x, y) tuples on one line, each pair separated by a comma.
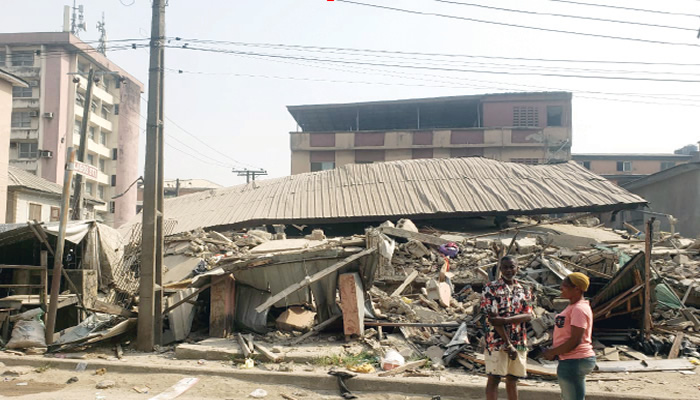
[(403, 368), (352, 304), (222, 305), (409, 279), (267, 353), (316, 329), (676, 347), (313, 278), (244, 347), (184, 300), (421, 237), (101, 306)]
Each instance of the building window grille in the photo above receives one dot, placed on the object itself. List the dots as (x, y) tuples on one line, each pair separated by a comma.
[(624, 166), (28, 150), (21, 91), (526, 116), (55, 214), (22, 59), (103, 165), (34, 212), (21, 119)]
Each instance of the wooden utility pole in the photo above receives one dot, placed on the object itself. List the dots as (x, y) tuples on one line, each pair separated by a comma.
[(150, 292), (82, 152), (58, 255), (646, 319)]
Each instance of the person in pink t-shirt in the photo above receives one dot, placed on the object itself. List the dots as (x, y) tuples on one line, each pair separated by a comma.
[(572, 339)]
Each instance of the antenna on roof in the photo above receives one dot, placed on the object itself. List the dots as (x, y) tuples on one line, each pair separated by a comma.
[(250, 174), (77, 22), (102, 47)]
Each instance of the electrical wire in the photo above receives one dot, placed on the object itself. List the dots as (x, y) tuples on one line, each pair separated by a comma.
[(449, 16), (616, 21), (579, 3)]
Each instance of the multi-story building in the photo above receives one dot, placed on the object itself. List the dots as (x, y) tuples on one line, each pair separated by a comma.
[(179, 187), (47, 115), (622, 168), (531, 128)]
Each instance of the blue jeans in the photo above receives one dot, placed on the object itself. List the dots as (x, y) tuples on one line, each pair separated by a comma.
[(572, 377)]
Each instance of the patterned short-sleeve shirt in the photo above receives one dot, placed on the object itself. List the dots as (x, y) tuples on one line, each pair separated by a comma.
[(505, 301)]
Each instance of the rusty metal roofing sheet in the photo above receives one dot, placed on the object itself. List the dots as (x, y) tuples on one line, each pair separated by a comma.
[(434, 188)]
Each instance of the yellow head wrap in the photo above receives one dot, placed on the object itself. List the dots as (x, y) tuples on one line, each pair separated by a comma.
[(579, 280)]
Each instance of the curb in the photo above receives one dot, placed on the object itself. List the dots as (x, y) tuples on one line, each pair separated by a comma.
[(314, 381)]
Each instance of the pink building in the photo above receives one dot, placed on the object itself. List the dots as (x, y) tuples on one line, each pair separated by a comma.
[(46, 116)]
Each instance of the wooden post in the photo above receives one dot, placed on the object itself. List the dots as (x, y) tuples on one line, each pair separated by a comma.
[(352, 302), (44, 262), (58, 257), (221, 310), (646, 319)]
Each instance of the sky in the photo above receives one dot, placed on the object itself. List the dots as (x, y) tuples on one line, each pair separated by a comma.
[(232, 66)]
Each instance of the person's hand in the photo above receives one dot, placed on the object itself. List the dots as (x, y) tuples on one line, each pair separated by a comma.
[(549, 355), (497, 321)]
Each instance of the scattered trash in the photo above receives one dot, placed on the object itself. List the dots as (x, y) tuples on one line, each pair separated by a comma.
[(142, 389), (23, 384), (105, 384), (72, 380), (342, 376), (392, 359), (100, 371), (81, 366), (258, 393), (365, 368)]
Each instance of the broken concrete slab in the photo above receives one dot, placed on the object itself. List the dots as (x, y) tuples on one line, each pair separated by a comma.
[(227, 349), (277, 246), (179, 267), (296, 319)]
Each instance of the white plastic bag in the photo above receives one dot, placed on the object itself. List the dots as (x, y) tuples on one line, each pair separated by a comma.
[(258, 393), (392, 359), (27, 334)]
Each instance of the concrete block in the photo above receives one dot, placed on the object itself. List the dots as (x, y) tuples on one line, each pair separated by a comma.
[(416, 249), (352, 302), (296, 319), (482, 243), (407, 224)]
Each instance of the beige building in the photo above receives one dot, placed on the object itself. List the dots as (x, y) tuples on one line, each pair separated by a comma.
[(7, 84), (529, 128), (46, 115), (627, 167)]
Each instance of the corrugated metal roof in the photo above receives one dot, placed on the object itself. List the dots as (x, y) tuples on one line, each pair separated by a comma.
[(434, 188), (18, 177)]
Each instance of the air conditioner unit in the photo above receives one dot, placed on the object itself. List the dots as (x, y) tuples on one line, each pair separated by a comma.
[(33, 83), (34, 113), (45, 154), (48, 115)]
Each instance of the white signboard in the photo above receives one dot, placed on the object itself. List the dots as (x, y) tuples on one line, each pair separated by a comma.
[(85, 169)]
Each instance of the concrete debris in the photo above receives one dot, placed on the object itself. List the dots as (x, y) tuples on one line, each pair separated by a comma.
[(296, 319)]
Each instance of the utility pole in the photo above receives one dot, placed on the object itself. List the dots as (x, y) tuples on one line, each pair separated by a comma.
[(150, 292), (58, 256), (82, 152), (250, 174)]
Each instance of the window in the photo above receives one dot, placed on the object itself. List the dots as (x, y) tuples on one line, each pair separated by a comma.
[(100, 191), (102, 165), (34, 212), (114, 154), (103, 138), (368, 156), (92, 133), (667, 165), (76, 128), (55, 214), (91, 159), (586, 164), (526, 161), (90, 188), (105, 112), (116, 108), (2, 59), (624, 166), (322, 166), (21, 91), (21, 119), (93, 107), (114, 180), (28, 150), (80, 99), (554, 115), (22, 59), (112, 207), (526, 116)]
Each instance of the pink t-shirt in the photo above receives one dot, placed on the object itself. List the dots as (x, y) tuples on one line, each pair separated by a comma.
[(578, 314)]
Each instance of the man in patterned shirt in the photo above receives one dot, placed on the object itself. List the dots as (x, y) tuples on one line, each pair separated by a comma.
[(508, 306)]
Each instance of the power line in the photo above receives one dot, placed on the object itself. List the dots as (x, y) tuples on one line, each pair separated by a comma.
[(579, 3), (616, 21), (425, 13), (477, 71)]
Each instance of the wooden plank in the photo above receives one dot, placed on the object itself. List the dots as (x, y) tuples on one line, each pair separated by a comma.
[(101, 306), (352, 303), (267, 353), (413, 324), (675, 348), (646, 321), (421, 237), (191, 295), (241, 343), (403, 368), (409, 279), (316, 329), (181, 317), (177, 389), (222, 301), (313, 278), (24, 267), (19, 285)]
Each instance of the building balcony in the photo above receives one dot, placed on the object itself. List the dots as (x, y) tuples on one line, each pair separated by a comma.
[(25, 103), (26, 73), (94, 118), (97, 91), (24, 134)]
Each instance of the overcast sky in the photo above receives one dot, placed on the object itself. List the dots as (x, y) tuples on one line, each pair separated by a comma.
[(235, 103)]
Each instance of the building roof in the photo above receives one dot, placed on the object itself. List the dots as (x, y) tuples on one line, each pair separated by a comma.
[(13, 79), (631, 156), (663, 175), (418, 189), (433, 113), (21, 179), (191, 184)]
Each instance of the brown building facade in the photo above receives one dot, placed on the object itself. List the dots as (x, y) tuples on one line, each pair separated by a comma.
[(623, 168), (530, 128)]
